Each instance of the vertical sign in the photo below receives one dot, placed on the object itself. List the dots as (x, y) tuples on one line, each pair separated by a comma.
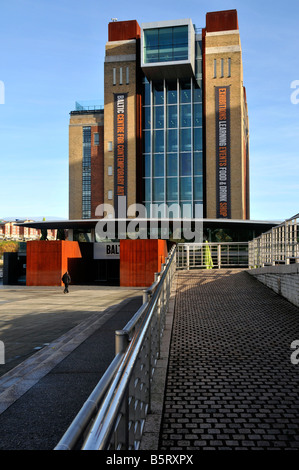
[(223, 196), (120, 147)]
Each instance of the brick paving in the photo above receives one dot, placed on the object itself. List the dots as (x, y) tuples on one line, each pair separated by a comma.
[(230, 382)]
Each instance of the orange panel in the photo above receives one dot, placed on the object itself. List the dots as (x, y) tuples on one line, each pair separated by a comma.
[(123, 30), (139, 260), (225, 20), (48, 260)]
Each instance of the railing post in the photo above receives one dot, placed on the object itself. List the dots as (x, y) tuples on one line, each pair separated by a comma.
[(121, 341), (145, 296), (219, 255)]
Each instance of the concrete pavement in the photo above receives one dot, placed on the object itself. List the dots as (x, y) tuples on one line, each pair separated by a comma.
[(32, 317), (57, 347)]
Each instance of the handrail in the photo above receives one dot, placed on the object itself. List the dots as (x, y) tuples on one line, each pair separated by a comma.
[(280, 245), (128, 343), (210, 255), (107, 415), (82, 420), (101, 432)]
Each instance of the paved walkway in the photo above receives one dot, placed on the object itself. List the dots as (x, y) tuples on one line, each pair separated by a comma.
[(57, 347), (230, 381), (33, 317)]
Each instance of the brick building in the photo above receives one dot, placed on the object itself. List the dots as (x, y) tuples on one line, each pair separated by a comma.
[(174, 130), (12, 230)]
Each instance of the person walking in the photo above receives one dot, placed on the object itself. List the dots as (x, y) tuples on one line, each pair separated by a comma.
[(66, 279)]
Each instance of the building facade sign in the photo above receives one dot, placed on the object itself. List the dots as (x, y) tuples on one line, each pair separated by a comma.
[(223, 183), (106, 250), (120, 145)]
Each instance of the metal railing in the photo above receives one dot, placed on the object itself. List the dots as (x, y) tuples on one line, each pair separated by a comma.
[(88, 105), (114, 415), (212, 255), (280, 245)]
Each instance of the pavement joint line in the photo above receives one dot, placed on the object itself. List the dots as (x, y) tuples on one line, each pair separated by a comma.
[(21, 378)]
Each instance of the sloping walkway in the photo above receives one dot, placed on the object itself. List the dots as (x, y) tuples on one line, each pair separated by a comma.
[(230, 381), (42, 391)]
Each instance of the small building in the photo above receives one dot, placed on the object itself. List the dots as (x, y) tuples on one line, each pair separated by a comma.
[(106, 251)]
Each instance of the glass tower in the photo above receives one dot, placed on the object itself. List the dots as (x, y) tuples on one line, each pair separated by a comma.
[(172, 110)]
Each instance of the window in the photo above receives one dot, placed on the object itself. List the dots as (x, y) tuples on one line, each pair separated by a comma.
[(159, 141), (173, 143), (110, 170), (146, 116), (110, 194), (198, 188), (197, 114), (172, 93), (86, 173), (158, 164), (185, 189), (215, 68), (172, 117), (185, 95), (158, 189), (172, 189), (185, 140), (147, 93), (222, 68), (114, 76), (147, 165), (197, 96), (197, 139), (86, 135), (147, 189), (172, 164), (229, 67), (147, 141), (185, 115), (197, 163), (158, 93), (166, 44), (120, 75), (110, 146), (96, 138), (127, 75), (158, 117), (185, 164), (172, 140)]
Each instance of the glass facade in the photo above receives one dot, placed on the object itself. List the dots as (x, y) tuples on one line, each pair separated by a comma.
[(166, 44), (173, 143), (86, 173)]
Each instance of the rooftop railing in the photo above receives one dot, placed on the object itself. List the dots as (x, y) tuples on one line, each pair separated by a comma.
[(280, 245), (89, 105)]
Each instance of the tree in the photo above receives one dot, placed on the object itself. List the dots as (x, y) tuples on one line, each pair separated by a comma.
[(8, 247)]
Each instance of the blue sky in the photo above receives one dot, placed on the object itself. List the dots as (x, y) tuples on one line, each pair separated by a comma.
[(52, 54)]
